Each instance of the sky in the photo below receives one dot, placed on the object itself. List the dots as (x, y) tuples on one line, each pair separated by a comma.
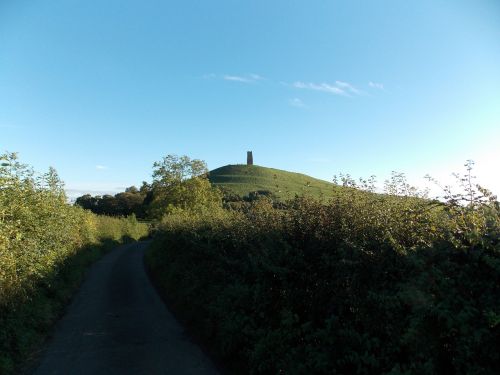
[(101, 90)]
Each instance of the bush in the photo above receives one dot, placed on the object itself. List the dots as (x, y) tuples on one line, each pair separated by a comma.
[(365, 284), (45, 244)]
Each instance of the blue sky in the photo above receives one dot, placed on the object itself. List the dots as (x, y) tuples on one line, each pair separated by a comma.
[(102, 89)]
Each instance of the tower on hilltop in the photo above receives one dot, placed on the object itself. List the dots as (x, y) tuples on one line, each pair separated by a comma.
[(249, 158)]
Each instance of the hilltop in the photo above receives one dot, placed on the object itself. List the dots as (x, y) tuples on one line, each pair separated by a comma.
[(244, 179)]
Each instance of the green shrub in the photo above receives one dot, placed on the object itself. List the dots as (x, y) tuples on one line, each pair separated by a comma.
[(365, 284), (45, 244)]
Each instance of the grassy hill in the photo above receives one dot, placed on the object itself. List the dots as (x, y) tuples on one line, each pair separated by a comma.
[(244, 179)]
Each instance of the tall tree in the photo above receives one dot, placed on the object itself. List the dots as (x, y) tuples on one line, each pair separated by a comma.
[(181, 183)]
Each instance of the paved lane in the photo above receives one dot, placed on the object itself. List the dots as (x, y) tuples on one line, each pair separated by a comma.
[(117, 324)]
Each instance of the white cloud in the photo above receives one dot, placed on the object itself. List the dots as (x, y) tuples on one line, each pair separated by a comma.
[(338, 88), (256, 77), (249, 78), (101, 167), (296, 102), (375, 85), (237, 79), (348, 87)]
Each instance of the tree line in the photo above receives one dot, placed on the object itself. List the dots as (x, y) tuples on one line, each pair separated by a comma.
[(131, 201)]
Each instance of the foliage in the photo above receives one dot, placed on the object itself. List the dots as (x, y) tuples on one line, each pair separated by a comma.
[(181, 183), (131, 201), (40, 238), (173, 169), (363, 284)]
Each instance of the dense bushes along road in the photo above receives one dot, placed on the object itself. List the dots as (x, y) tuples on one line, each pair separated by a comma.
[(45, 245), (362, 284), (366, 284)]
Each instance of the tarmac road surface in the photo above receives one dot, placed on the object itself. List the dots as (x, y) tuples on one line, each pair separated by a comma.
[(117, 324)]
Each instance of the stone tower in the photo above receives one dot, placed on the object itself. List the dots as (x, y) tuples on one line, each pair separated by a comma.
[(249, 158)]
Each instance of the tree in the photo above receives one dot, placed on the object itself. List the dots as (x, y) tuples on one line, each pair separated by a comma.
[(181, 183), (173, 169), (87, 202), (131, 189), (130, 203), (145, 188)]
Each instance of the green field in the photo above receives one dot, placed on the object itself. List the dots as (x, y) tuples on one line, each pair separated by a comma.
[(244, 179)]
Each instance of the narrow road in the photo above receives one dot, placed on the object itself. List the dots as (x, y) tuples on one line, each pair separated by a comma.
[(117, 324)]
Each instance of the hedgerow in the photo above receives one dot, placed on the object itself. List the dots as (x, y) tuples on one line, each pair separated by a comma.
[(45, 245), (363, 284)]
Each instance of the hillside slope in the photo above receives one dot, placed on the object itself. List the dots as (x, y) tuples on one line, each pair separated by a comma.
[(244, 179)]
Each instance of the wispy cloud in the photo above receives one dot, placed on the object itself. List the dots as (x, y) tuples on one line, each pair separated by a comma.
[(325, 87), (296, 102), (249, 78), (256, 77), (341, 88), (337, 88), (244, 78), (237, 79), (375, 85), (101, 167), (348, 87)]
